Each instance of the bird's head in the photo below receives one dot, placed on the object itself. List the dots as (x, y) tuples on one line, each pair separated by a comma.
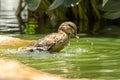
[(69, 28)]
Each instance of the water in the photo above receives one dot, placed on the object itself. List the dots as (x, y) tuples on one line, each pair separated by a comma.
[(8, 20), (87, 57)]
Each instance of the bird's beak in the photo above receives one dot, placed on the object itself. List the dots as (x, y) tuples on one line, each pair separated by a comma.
[(76, 36)]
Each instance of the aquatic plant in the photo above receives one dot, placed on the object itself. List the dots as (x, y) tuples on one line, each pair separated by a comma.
[(50, 13)]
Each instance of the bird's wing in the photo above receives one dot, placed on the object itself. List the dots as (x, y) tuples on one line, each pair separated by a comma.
[(48, 42)]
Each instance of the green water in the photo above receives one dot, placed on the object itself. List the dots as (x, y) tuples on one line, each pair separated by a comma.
[(87, 57)]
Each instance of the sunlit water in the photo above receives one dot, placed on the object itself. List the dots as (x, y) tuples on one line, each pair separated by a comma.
[(88, 57)]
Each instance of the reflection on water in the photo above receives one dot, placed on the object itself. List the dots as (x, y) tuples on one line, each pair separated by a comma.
[(8, 20), (96, 58)]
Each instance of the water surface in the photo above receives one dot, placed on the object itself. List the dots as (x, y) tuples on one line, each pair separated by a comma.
[(87, 57)]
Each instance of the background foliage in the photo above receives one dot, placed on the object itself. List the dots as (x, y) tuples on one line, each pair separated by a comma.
[(87, 14)]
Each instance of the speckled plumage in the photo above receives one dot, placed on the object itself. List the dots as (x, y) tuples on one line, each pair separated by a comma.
[(53, 42), (56, 41)]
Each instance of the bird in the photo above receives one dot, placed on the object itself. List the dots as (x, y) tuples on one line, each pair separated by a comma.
[(55, 42)]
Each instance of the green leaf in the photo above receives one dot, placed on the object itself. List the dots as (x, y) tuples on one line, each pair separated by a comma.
[(67, 3), (111, 5), (112, 15), (104, 2), (33, 4)]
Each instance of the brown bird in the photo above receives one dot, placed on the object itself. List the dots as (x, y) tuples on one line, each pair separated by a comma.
[(56, 41)]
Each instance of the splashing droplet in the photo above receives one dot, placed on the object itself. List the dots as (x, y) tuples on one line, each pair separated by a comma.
[(87, 40), (92, 43)]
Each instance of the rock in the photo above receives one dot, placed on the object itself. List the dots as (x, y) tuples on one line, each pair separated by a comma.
[(6, 41), (14, 70)]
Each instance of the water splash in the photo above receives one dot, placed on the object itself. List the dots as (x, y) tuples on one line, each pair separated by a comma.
[(45, 54), (78, 50), (42, 54), (92, 43)]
